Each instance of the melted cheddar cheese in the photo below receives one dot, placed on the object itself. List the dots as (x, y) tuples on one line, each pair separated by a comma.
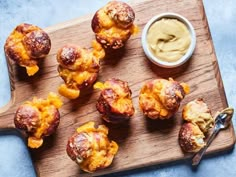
[(15, 42), (83, 72), (149, 97), (68, 92), (46, 108), (102, 151), (110, 31), (31, 70), (153, 98), (116, 95)]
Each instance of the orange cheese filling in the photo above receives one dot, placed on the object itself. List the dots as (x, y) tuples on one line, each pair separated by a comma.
[(102, 150), (84, 70), (150, 96), (17, 37), (46, 117), (31, 70), (122, 102), (111, 30), (16, 40), (73, 78)]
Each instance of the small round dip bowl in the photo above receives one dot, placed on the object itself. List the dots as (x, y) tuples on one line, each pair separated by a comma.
[(159, 61)]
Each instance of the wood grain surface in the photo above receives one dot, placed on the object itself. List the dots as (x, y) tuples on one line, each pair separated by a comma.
[(142, 142)]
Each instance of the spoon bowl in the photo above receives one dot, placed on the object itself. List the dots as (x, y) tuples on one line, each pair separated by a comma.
[(223, 119)]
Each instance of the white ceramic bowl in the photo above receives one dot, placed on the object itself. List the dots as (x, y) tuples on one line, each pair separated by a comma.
[(153, 58)]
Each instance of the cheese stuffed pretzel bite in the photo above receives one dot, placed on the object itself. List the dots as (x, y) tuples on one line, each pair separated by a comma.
[(78, 67), (115, 102), (199, 120), (160, 98), (113, 24), (38, 118), (90, 147), (26, 45)]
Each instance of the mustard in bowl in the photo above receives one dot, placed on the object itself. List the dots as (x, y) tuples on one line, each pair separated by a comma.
[(168, 40)]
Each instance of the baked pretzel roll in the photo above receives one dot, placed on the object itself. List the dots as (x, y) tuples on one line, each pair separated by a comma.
[(113, 24), (26, 45), (78, 68), (160, 98), (198, 113), (115, 102), (191, 138), (38, 118), (90, 147)]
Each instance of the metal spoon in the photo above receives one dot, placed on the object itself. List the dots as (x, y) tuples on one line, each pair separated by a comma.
[(222, 121)]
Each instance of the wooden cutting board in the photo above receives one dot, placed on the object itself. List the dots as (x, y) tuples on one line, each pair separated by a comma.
[(142, 142)]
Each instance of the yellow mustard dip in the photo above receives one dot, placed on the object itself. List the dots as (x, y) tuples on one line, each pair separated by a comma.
[(168, 39)]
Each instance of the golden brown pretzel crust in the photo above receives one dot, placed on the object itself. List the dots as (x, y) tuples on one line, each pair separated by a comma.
[(198, 113), (26, 45), (38, 118), (160, 98), (91, 148), (191, 138), (115, 102), (113, 24), (78, 68)]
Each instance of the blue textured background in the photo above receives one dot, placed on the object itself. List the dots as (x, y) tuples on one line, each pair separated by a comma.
[(14, 157)]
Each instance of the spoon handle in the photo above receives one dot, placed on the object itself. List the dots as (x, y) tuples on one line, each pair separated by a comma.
[(198, 156)]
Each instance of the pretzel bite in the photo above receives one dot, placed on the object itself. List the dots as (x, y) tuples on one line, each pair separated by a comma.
[(90, 147), (79, 68), (191, 138), (38, 118), (115, 102), (197, 112), (160, 98), (26, 45), (113, 24)]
